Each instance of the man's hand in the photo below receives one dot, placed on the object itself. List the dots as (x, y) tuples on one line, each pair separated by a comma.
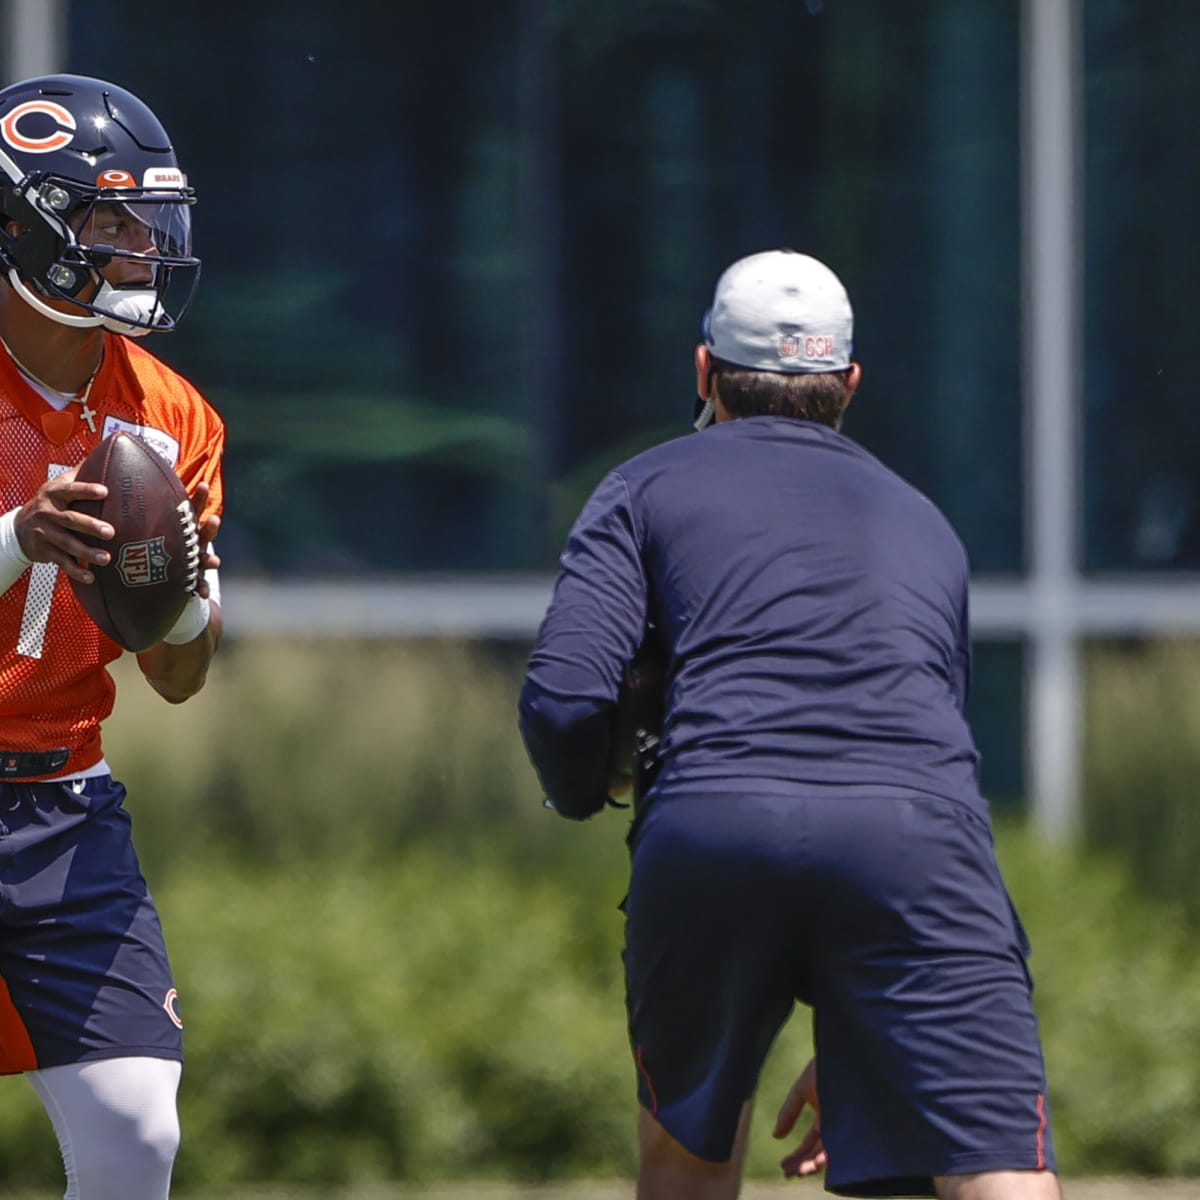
[(177, 670), (49, 530), (809, 1157), (208, 534), (619, 785)]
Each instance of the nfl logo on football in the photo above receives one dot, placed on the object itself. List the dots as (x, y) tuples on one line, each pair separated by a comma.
[(143, 563)]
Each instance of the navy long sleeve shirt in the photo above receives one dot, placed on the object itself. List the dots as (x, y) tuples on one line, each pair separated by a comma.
[(813, 605)]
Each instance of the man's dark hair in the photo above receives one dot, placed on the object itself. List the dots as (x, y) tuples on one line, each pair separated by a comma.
[(811, 397)]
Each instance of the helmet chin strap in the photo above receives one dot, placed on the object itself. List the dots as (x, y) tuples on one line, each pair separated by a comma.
[(134, 304), (36, 302)]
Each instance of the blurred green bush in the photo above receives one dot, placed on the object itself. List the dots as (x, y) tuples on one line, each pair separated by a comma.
[(395, 964), (1143, 763)]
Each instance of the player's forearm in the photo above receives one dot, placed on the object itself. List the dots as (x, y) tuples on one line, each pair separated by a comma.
[(178, 672), (568, 742), (13, 561)]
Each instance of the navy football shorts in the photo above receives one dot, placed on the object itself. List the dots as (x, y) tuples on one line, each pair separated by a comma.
[(889, 916), (83, 967)]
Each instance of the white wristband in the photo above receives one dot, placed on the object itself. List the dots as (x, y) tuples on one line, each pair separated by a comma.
[(192, 622), (12, 558)]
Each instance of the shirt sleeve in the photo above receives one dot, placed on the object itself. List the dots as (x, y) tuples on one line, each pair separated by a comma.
[(202, 454), (592, 629)]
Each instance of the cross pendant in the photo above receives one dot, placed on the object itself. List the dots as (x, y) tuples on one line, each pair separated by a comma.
[(89, 415)]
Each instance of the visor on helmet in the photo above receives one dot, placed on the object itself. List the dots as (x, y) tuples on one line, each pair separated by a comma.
[(118, 240)]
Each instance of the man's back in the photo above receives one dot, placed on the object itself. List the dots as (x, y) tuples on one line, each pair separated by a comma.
[(812, 603), (815, 607)]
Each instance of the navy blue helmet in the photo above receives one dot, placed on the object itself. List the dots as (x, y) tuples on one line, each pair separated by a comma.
[(89, 183)]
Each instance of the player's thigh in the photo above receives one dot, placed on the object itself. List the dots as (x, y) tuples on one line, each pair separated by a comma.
[(930, 1057), (710, 963), (116, 1123), (82, 953)]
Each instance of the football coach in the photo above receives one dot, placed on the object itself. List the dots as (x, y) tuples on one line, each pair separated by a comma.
[(815, 832)]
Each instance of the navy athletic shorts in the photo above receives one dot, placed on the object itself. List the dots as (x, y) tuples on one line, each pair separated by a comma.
[(889, 916), (83, 967)]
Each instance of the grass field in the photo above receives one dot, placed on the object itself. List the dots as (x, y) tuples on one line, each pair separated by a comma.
[(1073, 1189)]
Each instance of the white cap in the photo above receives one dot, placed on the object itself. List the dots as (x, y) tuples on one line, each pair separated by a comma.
[(780, 311)]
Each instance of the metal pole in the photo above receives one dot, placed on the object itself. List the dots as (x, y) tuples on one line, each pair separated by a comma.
[(34, 38), (1051, 142)]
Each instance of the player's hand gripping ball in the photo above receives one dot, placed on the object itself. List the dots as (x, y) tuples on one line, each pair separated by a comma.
[(155, 565)]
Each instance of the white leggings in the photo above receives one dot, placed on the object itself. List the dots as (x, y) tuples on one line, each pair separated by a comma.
[(116, 1123)]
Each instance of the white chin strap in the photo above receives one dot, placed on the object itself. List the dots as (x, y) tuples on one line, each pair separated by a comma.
[(132, 304), (36, 302), (706, 415)]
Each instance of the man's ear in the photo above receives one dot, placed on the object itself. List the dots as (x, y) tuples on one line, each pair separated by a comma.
[(850, 383), (853, 379), (703, 361), (708, 398)]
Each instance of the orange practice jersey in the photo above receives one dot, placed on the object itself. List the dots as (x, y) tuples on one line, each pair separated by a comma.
[(54, 686)]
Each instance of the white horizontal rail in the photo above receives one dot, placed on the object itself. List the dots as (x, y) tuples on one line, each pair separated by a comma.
[(469, 607), (512, 607), (1148, 606)]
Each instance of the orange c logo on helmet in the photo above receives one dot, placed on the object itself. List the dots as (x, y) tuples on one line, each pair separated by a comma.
[(38, 145), (115, 179)]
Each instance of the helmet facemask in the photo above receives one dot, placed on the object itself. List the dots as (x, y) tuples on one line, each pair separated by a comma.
[(121, 253)]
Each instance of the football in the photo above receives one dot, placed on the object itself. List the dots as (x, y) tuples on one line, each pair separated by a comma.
[(641, 709), (155, 548)]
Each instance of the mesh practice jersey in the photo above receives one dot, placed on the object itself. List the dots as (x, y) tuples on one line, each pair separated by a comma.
[(54, 687)]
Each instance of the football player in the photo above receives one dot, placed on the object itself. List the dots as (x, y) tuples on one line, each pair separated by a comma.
[(95, 252)]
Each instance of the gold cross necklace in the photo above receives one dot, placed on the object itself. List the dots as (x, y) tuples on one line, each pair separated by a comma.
[(80, 397)]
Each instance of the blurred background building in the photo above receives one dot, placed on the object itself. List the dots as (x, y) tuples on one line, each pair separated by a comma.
[(455, 257)]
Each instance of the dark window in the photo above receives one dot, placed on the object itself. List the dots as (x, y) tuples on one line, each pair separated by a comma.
[(1142, 355), (455, 259)]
